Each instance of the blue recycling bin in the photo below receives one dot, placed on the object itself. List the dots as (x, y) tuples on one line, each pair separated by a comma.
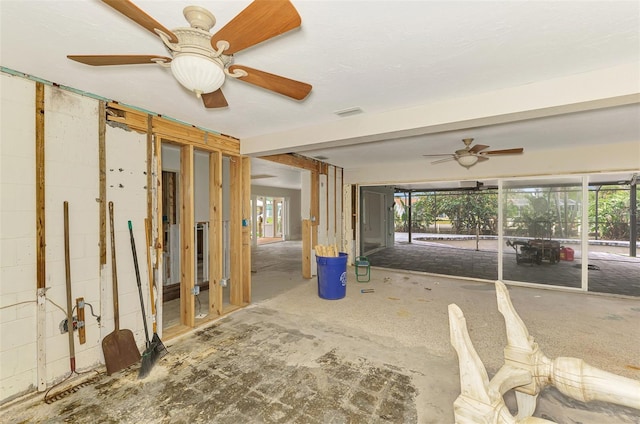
[(332, 276)]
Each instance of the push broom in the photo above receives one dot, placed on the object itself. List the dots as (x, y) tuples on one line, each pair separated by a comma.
[(154, 349)]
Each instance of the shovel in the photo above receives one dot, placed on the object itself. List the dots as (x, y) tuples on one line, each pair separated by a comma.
[(155, 349), (119, 347)]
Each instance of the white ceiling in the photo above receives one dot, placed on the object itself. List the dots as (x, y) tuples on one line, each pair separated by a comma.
[(376, 55)]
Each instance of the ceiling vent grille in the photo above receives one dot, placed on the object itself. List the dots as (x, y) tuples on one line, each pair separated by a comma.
[(348, 112)]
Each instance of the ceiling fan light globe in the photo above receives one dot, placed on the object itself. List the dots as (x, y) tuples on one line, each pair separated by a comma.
[(467, 160), (197, 73)]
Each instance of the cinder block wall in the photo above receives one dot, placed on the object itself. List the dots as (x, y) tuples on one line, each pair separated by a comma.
[(71, 174), (17, 236)]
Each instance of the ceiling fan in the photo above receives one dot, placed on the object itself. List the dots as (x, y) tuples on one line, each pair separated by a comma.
[(201, 61), (469, 156)]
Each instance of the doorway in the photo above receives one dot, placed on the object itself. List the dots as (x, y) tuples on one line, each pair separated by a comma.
[(271, 219)]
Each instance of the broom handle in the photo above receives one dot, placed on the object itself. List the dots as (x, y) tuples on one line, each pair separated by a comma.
[(114, 273), (151, 275), (135, 264), (67, 271)]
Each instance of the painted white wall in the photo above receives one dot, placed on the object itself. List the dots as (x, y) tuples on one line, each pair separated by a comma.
[(170, 158), (323, 236), (226, 188), (17, 237), (71, 174), (201, 186), (126, 150)]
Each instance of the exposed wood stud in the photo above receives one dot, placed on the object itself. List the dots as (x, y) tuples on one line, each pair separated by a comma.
[(315, 206), (40, 189), (187, 264), (246, 230), (235, 175), (306, 248), (158, 235), (102, 165), (327, 206), (149, 171), (215, 235), (40, 239)]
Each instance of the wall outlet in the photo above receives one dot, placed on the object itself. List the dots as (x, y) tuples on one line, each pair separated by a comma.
[(64, 325)]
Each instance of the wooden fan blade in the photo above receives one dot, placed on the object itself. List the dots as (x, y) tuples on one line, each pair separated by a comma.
[(444, 160), (105, 60), (504, 152), (133, 12), (285, 86), (261, 20), (214, 100), (481, 158), (477, 148)]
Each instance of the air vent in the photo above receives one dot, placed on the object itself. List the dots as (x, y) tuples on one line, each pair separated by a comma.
[(321, 157), (348, 112)]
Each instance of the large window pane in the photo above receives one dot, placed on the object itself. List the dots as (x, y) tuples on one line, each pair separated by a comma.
[(542, 224), (611, 268), (453, 232)]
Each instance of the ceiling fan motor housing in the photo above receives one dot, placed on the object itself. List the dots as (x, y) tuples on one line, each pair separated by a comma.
[(195, 60)]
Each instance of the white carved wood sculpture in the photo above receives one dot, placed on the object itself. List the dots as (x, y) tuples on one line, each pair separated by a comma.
[(527, 371)]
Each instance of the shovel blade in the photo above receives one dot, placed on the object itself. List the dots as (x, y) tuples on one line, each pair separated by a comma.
[(120, 350)]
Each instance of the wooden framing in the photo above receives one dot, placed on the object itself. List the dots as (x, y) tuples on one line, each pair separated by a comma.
[(157, 238), (306, 248), (315, 206), (189, 138), (215, 233), (235, 195), (172, 130), (246, 230), (149, 170), (187, 260), (102, 167), (41, 276), (296, 161)]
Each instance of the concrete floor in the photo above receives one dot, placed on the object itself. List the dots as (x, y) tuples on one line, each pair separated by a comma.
[(381, 357)]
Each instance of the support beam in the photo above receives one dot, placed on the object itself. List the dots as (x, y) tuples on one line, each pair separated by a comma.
[(295, 160)]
